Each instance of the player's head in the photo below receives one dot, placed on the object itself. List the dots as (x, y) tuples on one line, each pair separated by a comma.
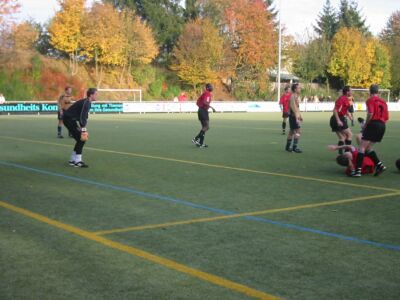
[(287, 89), (209, 87), (342, 160), (68, 90), (398, 164), (91, 93), (346, 90), (374, 89), (295, 87)]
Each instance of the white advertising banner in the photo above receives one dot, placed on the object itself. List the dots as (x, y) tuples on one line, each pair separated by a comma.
[(177, 107)]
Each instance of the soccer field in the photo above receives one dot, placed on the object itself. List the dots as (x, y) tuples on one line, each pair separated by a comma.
[(154, 217)]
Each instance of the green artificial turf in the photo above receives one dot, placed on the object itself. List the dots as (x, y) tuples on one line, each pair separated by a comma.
[(144, 170)]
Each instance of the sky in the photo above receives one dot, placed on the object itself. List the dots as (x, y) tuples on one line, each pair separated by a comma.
[(298, 16)]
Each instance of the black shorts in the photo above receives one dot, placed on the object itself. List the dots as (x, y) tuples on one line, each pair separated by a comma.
[(285, 115), (334, 125), (351, 109), (203, 116), (293, 124), (374, 131), (73, 127)]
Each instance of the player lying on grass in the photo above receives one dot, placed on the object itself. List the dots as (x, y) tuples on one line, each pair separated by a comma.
[(349, 159)]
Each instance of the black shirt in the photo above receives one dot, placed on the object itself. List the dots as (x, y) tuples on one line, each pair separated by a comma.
[(79, 111)]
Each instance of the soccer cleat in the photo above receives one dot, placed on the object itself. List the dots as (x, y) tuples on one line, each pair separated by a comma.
[(297, 150), (360, 120), (81, 164), (196, 142), (289, 149), (203, 146), (379, 169), (71, 163), (283, 133), (356, 173), (60, 136)]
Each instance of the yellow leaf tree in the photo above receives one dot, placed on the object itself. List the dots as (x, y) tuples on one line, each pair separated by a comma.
[(141, 46), (65, 29), (358, 60), (198, 55), (103, 40)]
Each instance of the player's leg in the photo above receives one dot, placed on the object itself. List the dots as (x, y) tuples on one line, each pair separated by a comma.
[(284, 120), (296, 138), (59, 126), (340, 141), (364, 145), (348, 136)]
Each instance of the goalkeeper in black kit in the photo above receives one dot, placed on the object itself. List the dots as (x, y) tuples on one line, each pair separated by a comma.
[(75, 119)]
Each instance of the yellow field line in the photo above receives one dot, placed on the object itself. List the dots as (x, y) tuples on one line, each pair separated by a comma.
[(215, 165), (233, 216), (237, 287)]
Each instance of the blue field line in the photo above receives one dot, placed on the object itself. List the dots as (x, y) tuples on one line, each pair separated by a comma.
[(199, 206)]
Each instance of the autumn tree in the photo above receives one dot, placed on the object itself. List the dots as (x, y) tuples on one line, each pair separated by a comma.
[(65, 29), (250, 31), (390, 36), (165, 17), (198, 54), (103, 38), (358, 60), (24, 36), (140, 46)]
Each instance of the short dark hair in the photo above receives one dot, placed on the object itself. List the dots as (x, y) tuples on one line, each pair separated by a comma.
[(90, 92), (374, 89), (67, 88), (209, 87), (342, 160), (287, 88), (346, 89), (294, 86)]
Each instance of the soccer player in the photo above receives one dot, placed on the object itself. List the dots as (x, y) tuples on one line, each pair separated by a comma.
[(338, 121), (64, 102), (204, 104), (75, 119), (295, 119), (284, 104), (349, 159), (373, 132)]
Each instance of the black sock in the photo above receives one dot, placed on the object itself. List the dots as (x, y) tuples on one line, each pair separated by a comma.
[(201, 133), (374, 157), (360, 159), (59, 130), (340, 143), (295, 142), (283, 126), (202, 137), (288, 142)]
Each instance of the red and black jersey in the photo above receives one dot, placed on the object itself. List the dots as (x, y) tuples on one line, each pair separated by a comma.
[(342, 105), (204, 100), (377, 107), (367, 167), (284, 101)]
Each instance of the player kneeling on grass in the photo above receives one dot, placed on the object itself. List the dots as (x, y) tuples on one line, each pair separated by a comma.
[(349, 159), (204, 104), (75, 119)]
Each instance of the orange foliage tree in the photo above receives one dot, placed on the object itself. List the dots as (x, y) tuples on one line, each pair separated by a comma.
[(250, 31), (24, 36)]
